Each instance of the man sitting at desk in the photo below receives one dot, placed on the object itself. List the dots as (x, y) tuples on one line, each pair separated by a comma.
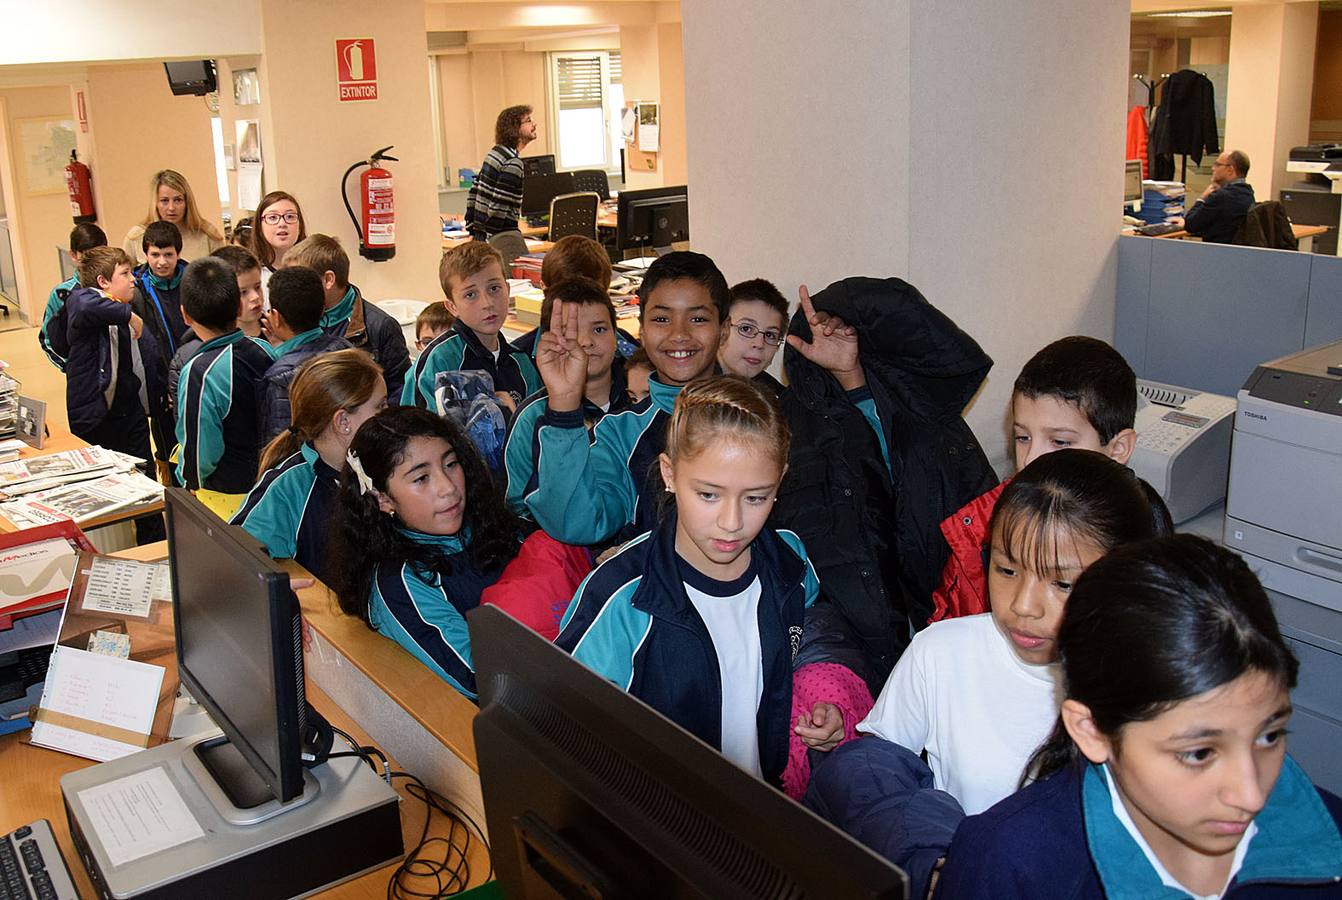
[(1221, 209)]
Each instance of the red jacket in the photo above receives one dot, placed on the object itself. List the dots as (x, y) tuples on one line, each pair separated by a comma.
[(1137, 136), (963, 590), (536, 587)]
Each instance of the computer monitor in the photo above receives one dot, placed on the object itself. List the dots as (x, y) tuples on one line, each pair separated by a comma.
[(1309, 207), (239, 652), (590, 793), (1132, 184), (654, 217), (539, 190), (538, 165)]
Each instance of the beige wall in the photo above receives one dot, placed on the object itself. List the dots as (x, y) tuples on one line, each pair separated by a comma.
[(309, 137), (1209, 51), (1326, 108), (640, 61), (38, 223), (872, 118), (138, 128), (1270, 83)]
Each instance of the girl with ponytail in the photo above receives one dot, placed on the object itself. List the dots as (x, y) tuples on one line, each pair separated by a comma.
[(289, 510), (1166, 774)]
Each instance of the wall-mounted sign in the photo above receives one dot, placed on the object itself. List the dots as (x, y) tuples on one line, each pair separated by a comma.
[(356, 69)]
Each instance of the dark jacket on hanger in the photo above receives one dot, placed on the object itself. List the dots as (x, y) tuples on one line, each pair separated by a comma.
[(1188, 111), (872, 529)]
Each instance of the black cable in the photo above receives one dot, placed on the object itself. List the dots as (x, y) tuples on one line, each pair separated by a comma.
[(450, 869)]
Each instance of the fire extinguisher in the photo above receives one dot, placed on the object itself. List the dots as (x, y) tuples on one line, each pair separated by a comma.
[(376, 223), (79, 185)]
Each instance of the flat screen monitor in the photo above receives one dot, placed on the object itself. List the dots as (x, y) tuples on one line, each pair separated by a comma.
[(539, 190), (1132, 183), (192, 76), (655, 217), (590, 793), (239, 652), (1306, 207), (538, 165)]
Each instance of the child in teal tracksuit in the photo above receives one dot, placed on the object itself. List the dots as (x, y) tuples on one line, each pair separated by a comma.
[(83, 237)]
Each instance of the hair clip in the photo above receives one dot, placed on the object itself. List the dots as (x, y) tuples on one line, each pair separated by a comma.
[(293, 429), (365, 483)]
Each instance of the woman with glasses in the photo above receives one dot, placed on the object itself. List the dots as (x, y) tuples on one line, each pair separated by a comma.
[(276, 227), (752, 332), (171, 200)]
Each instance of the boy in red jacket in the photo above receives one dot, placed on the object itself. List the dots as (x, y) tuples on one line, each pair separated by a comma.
[(1076, 392)]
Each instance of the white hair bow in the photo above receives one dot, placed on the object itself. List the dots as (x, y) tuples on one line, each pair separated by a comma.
[(365, 483)]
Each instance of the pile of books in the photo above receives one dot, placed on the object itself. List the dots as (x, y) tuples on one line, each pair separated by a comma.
[(1161, 201), (79, 485)]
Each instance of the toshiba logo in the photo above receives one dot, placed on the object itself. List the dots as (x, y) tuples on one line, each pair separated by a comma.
[(1254, 415)]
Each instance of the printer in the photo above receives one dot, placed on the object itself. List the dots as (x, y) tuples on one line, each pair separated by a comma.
[(1183, 446), (1315, 158), (1284, 515)]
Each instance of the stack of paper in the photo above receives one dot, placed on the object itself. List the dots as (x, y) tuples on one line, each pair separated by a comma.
[(10, 449), (81, 501), (9, 406), (24, 476)]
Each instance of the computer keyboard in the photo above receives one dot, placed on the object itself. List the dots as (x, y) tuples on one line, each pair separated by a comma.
[(538, 221), (32, 867), (1159, 228)]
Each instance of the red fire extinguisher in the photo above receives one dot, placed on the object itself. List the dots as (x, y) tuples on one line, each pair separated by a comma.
[(376, 223), (79, 185)]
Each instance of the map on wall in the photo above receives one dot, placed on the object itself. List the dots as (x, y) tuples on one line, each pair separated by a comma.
[(45, 145)]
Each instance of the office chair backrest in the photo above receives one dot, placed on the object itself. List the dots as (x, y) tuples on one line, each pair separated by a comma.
[(512, 245), (1267, 225), (592, 180), (574, 214)]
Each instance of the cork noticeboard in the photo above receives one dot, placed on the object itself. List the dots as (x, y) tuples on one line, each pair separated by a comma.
[(635, 160)]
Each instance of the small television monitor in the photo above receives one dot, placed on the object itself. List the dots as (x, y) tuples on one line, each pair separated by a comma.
[(1132, 184), (538, 165), (591, 793), (239, 652), (539, 190), (192, 76), (654, 217)]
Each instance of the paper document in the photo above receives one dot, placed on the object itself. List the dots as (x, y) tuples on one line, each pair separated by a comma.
[(124, 586), (138, 815), (32, 570), (95, 705)]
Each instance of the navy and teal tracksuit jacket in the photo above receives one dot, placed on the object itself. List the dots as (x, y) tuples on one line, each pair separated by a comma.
[(426, 614), (275, 412), (459, 349), (158, 301), (632, 622), (217, 415), (519, 454), (55, 300), (291, 508), (586, 492), (1059, 839)]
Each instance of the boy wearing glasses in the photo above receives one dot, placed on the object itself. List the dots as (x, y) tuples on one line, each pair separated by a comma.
[(752, 332), (495, 200)]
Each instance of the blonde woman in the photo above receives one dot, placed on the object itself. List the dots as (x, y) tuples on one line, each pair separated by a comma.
[(172, 201)]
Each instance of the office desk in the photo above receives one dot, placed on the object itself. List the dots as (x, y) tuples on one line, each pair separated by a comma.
[(59, 442), (1305, 234), (30, 776)]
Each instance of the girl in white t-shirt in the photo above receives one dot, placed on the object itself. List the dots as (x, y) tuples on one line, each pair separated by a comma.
[(980, 693)]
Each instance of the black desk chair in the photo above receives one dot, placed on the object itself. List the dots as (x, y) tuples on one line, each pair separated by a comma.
[(574, 214), (594, 180)]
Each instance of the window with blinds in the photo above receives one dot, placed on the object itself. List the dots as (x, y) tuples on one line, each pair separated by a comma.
[(586, 95), (579, 80)]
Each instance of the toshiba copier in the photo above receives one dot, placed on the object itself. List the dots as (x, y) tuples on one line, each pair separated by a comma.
[(1284, 514)]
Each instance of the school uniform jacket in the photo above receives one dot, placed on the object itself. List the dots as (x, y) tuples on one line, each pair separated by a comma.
[(369, 328), (217, 415), (161, 310), (291, 508), (276, 414), (458, 349), (632, 622), (588, 490), (523, 446), (55, 300), (92, 322), (426, 614), (1059, 840)]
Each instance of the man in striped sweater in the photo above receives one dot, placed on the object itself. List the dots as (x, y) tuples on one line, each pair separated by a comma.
[(495, 200)]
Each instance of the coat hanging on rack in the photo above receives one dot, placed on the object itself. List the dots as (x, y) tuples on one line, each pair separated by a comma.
[(1185, 122)]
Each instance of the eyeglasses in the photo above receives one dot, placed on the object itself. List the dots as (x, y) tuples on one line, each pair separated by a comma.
[(748, 331), (289, 218)]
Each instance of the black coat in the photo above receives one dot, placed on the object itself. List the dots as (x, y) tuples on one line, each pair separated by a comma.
[(878, 547), (1186, 117)]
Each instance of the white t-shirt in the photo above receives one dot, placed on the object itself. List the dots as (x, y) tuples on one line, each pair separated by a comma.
[(960, 692), (730, 610)]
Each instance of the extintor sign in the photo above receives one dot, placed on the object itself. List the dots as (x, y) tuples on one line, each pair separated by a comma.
[(356, 69)]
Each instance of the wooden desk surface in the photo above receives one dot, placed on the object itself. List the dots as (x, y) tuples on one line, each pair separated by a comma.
[(1301, 232), (30, 776), (59, 442)]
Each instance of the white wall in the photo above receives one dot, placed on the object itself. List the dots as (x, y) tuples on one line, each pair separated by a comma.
[(911, 139), (55, 31)]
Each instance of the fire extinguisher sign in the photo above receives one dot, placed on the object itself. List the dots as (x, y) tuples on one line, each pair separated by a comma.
[(356, 69)]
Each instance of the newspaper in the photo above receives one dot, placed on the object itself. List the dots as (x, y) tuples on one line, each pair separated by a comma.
[(39, 473), (82, 501)]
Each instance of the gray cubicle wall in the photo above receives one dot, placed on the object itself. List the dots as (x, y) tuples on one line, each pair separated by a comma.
[(1203, 315)]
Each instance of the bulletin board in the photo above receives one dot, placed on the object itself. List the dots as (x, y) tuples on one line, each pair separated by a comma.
[(636, 135)]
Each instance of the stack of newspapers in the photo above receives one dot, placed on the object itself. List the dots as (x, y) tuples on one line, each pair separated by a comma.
[(82, 485)]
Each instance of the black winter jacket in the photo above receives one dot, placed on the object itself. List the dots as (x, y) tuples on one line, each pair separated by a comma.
[(878, 547), (88, 371), (275, 412), (374, 331)]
